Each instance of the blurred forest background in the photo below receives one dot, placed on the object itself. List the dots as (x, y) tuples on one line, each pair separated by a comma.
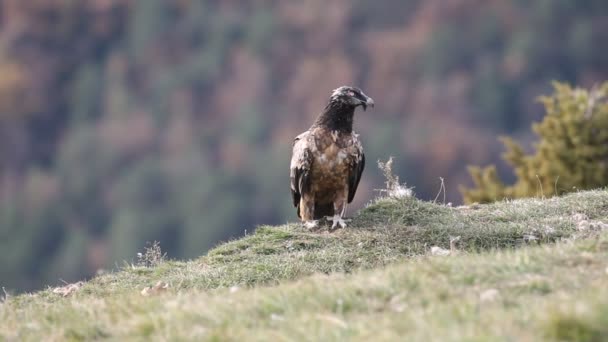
[(125, 121)]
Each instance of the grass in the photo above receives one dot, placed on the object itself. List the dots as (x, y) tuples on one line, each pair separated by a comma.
[(522, 270)]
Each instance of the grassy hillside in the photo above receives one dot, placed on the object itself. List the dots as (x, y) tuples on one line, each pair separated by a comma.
[(520, 270)]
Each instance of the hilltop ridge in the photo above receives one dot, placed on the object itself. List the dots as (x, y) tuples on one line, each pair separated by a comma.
[(404, 267)]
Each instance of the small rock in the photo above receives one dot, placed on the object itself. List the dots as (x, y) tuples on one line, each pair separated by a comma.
[(436, 250), (583, 225), (599, 225), (396, 303), (68, 289), (579, 217), (154, 290), (489, 295), (276, 317)]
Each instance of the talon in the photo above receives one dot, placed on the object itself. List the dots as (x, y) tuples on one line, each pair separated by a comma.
[(311, 224), (337, 220)]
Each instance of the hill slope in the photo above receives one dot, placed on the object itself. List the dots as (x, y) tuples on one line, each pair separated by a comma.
[(283, 282)]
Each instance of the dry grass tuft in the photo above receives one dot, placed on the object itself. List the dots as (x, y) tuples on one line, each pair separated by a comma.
[(152, 255)]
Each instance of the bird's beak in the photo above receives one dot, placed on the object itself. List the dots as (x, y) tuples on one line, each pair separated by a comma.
[(368, 102)]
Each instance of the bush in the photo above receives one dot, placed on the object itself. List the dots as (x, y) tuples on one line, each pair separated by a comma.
[(571, 154)]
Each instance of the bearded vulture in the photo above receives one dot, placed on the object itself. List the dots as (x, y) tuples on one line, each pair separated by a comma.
[(328, 160)]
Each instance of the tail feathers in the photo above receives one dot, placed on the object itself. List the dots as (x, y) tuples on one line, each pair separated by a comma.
[(323, 210)]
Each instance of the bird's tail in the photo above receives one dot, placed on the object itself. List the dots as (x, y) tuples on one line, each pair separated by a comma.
[(323, 210)]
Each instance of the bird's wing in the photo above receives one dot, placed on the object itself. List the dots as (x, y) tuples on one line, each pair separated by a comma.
[(301, 162), (356, 168)]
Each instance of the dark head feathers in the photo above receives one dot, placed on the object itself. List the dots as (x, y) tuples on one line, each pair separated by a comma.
[(339, 112), (351, 96)]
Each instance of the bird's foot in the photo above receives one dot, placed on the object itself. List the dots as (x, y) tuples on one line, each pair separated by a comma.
[(313, 224), (337, 220)]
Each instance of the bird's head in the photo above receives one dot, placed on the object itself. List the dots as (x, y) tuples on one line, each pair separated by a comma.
[(351, 96)]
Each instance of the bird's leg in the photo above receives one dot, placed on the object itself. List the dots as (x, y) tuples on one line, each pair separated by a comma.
[(307, 208), (339, 210)]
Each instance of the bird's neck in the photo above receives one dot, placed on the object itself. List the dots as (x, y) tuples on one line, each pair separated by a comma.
[(336, 117)]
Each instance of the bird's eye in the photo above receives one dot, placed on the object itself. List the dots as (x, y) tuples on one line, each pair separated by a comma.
[(350, 93)]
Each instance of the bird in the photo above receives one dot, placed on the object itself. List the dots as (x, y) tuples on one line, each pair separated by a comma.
[(328, 160)]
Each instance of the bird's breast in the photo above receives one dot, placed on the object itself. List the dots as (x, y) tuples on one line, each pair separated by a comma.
[(332, 155), (331, 162)]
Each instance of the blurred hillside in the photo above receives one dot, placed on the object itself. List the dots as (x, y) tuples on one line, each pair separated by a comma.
[(126, 121)]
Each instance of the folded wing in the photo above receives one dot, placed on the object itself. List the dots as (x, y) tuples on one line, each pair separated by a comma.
[(356, 168), (301, 162)]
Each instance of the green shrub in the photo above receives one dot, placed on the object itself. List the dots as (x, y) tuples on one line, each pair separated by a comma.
[(571, 154)]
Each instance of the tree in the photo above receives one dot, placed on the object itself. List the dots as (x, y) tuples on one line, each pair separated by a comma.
[(571, 154)]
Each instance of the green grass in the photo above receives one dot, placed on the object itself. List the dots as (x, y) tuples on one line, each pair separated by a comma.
[(523, 270)]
